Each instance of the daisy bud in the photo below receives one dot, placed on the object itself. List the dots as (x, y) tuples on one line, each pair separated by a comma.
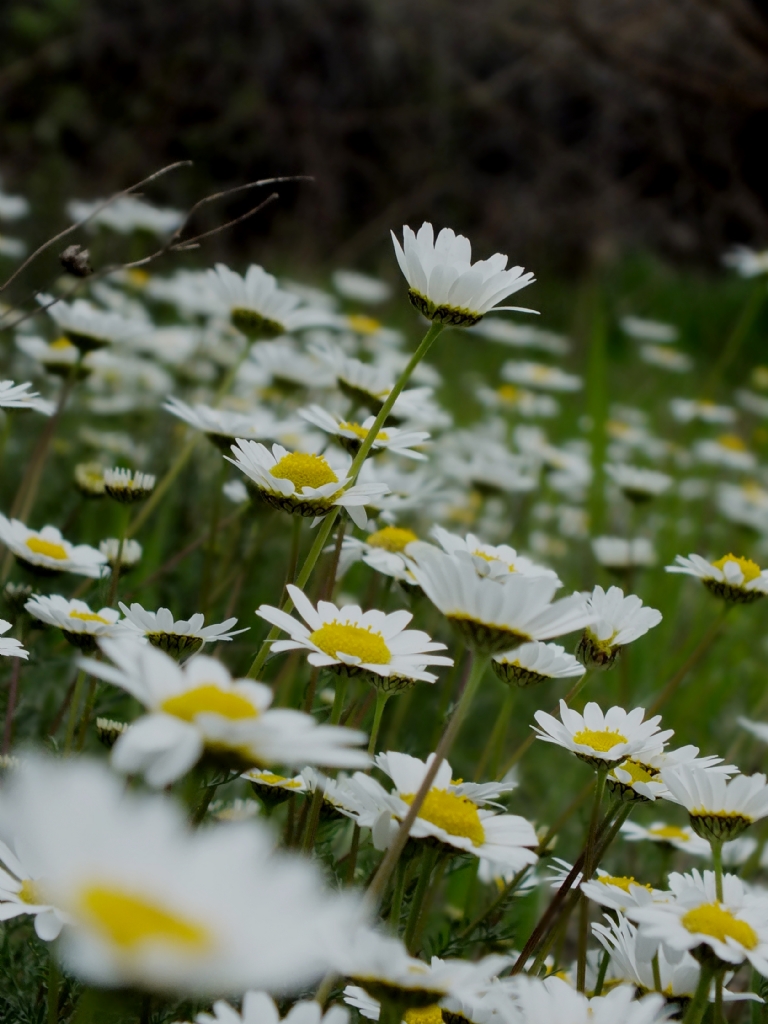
[(89, 479), (109, 731), (126, 487)]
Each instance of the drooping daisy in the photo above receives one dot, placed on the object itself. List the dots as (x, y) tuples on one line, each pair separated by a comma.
[(732, 578), (126, 487), (617, 553), (87, 327), (535, 663), (540, 376), (74, 618), (602, 740), (735, 928), (199, 708), (616, 621), (182, 637), (18, 396), (648, 330), (46, 552), (353, 642), (443, 283), (552, 999), (130, 555), (492, 616), (151, 904), (257, 306), (498, 561), (301, 483), (350, 435), (638, 484), (20, 894), (719, 809), (260, 1008)]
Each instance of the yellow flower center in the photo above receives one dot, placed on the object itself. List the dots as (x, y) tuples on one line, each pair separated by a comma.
[(359, 641), (508, 393), (276, 780), (599, 739), (138, 277), (670, 832), (424, 1015), (209, 699), (29, 893), (391, 538), (637, 771), (61, 343), (362, 432), (48, 548), (89, 617), (363, 324), (733, 442), (129, 920), (622, 882), (713, 920), (456, 815), (750, 569), (304, 470)]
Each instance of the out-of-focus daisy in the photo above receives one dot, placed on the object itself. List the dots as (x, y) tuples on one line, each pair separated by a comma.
[(615, 891), (734, 579), (46, 552), (638, 484), (492, 616), (752, 403), (360, 287), (89, 479), (150, 904), (59, 357), (127, 214), (21, 894), (720, 809), (747, 262), (491, 470), (535, 663), (352, 641), (301, 483), (685, 410), (257, 306), (130, 555), (18, 396), (222, 426), (616, 621), (287, 367), (273, 789), (728, 451), (496, 328), (497, 561), (666, 358), (552, 999), (642, 329), (127, 487), (260, 1008), (618, 553), (350, 435), (602, 740), (510, 398), (540, 376), (176, 637), (13, 248), (735, 928), (9, 646), (443, 283), (199, 708), (673, 835), (87, 327), (12, 207), (383, 550), (74, 618)]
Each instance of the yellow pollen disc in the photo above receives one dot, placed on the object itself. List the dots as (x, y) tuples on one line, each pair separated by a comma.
[(61, 343), (363, 324), (485, 557), (391, 538), (508, 393), (362, 432), (359, 641), (732, 442), (750, 569), (29, 893), (457, 815), (209, 699), (670, 832), (599, 739), (713, 920), (622, 882), (304, 470), (637, 771), (129, 920), (89, 617), (47, 548), (424, 1015)]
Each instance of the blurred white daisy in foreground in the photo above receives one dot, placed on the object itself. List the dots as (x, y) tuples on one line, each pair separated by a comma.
[(638, 484), (552, 999), (735, 579), (153, 905), (74, 618), (46, 552), (719, 809), (602, 740), (350, 434), (199, 708), (540, 376), (176, 637), (616, 621), (666, 358), (535, 663), (12, 207), (257, 306), (352, 641), (20, 894), (443, 283), (752, 403), (642, 329), (620, 553)]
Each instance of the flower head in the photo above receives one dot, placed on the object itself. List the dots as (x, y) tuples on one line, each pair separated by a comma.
[(257, 306), (46, 553), (720, 809), (616, 621), (535, 663), (74, 618), (260, 1008), (603, 740), (733, 578), (350, 434), (176, 637), (638, 484), (126, 487)]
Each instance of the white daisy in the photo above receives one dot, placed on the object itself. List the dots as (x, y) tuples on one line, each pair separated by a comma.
[(59, 357), (534, 663), (747, 262), (127, 487), (673, 835), (178, 638), (540, 376), (666, 358), (686, 410), (352, 641), (497, 561), (273, 788), (648, 330), (260, 1008), (20, 893), (638, 484), (443, 283), (552, 999), (87, 327), (18, 396), (506, 332), (382, 550), (735, 579), (360, 287), (151, 904), (719, 808), (620, 892), (79, 624), (350, 434), (198, 708), (46, 552), (492, 616), (752, 403), (735, 929), (619, 553), (603, 740), (222, 426), (616, 621), (257, 306), (728, 451), (127, 214), (130, 555), (301, 483), (510, 398), (10, 647), (12, 207), (13, 248)]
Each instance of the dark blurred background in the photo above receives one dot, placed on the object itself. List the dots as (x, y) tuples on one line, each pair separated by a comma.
[(556, 130)]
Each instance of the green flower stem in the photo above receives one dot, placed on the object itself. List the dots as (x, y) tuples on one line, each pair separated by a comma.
[(717, 863), (338, 700), (690, 662), (90, 701), (158, 494), (353, 850), (52, 996), (396, 909), (204, 598), (124, 519), (391, 857), (740, 331), (74, 706), (589, 852), (204, 803), (13, 695), (656, 972), (698, 1004), (448, 686), (429, 859), (717, 1015), (381, 702), (325, 528), (512, 886), (313, 818), (603, 970), (492, 749)]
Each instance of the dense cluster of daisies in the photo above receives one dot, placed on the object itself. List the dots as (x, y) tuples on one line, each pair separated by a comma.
[(174, 833)]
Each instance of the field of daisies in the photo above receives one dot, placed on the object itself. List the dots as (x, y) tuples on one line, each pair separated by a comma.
[(371, 649)]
